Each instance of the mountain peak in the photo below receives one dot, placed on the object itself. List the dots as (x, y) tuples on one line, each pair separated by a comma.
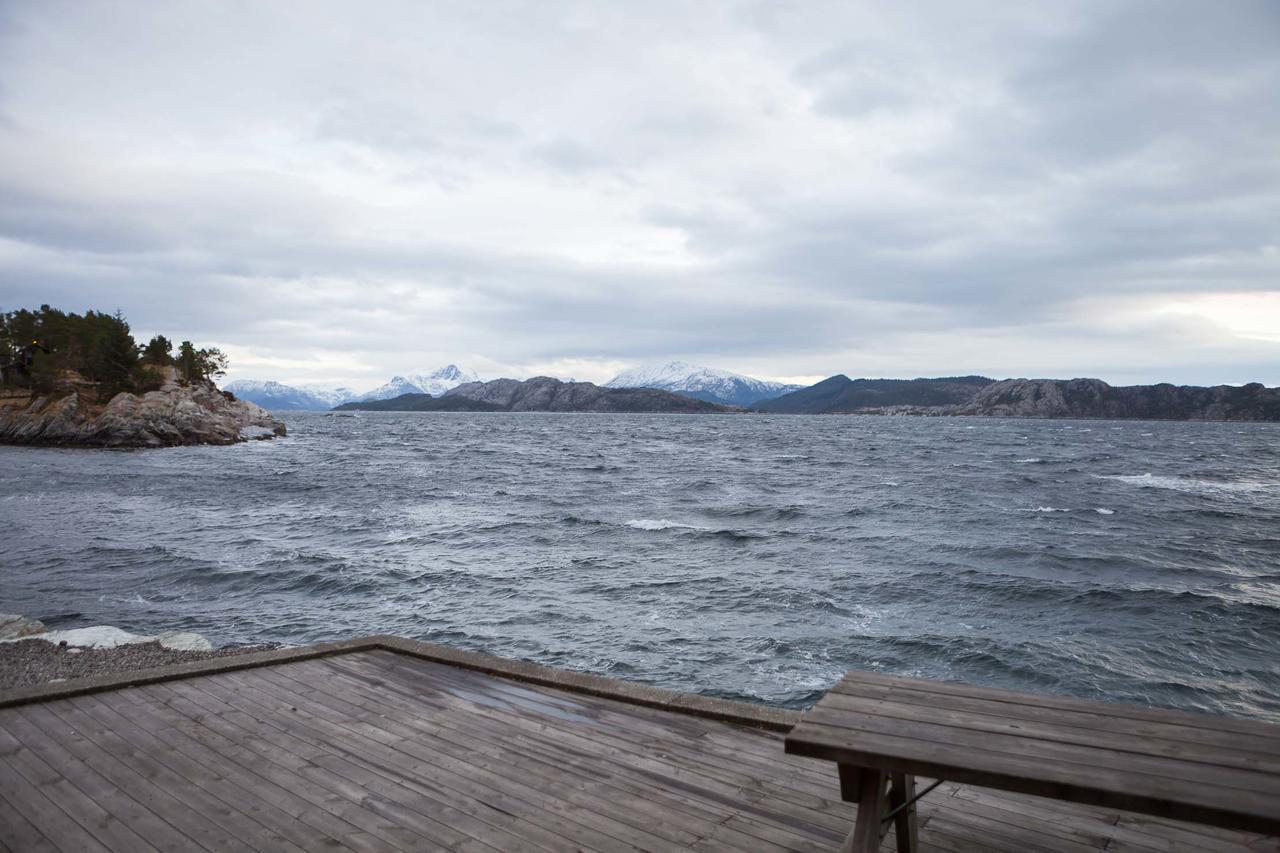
[(704, 383), (280, 397)]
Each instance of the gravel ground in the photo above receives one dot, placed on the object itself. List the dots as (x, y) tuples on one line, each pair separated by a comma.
[(29, 662)]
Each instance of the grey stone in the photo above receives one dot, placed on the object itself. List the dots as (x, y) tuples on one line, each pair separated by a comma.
[(13, 626), (178, 413)]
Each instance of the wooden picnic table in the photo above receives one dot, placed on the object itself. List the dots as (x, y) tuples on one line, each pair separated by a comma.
[(884, 730)]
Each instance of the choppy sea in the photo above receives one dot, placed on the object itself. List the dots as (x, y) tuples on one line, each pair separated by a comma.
[(750, 557)]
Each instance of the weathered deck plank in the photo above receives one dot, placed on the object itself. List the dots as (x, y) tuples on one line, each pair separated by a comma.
[(377, 750)]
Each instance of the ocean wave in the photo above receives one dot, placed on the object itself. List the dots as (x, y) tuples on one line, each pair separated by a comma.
[(650, 525), (767, 513), (1047, 509)]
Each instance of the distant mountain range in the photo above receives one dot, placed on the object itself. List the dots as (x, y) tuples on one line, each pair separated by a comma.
[(310, 398), (678, 387), (1029, 398), (702, 383), (691, 380), (544, 394)]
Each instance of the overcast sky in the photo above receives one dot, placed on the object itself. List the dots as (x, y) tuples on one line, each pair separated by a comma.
[(335, 192)]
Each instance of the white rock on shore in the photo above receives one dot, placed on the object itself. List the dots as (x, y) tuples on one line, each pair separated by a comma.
[(107, 637)]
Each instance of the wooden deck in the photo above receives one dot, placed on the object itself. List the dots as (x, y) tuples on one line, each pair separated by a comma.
[(378, 750)]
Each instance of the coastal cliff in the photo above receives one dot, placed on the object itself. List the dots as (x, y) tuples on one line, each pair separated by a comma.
[(176, 414)]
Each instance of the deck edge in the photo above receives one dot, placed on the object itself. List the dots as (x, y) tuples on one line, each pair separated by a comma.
[(724, 710), (693, 704)]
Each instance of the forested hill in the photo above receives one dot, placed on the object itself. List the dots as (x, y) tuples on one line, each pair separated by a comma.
[(842, 395), (47, 349)]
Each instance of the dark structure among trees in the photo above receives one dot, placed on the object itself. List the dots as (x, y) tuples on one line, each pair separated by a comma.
[(47, 348)]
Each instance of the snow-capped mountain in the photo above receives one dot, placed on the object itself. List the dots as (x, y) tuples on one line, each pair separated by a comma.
[(434, 383), (330, 396), (279, 397), (704, 383)]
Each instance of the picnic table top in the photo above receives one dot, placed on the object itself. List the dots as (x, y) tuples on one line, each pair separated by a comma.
[(1194, 767)]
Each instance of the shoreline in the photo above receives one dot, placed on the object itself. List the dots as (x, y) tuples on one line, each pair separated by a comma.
[(31, 662), (32, 657)]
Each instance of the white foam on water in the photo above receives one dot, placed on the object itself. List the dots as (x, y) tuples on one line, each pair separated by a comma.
[(1030, 461), (1187, 484), (256, 432), (661, 524), (1102, 510), (1047, 509)]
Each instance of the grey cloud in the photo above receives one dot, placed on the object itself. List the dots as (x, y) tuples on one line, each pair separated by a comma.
[(569, 155), (858, 78), (565, 181)]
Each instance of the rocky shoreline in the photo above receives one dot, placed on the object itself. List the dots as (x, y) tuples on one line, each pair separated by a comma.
[(178, 413), (30, 656)]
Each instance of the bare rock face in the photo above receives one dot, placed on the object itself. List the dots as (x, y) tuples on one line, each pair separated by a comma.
[(176, 414)]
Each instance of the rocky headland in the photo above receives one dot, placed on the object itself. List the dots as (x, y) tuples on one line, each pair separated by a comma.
[(177, 413)]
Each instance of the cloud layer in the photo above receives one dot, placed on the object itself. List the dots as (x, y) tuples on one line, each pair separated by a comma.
[(335, 192)]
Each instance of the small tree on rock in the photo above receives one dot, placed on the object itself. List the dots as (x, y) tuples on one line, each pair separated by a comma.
[(188, 367), (198, 365), (159, 350), (212, 361)]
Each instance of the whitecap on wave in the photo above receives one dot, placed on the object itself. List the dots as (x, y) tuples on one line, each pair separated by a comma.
[(661, 524), (1186, 484)]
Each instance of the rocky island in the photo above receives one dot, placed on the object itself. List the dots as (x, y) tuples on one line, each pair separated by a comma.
[(81, 381)]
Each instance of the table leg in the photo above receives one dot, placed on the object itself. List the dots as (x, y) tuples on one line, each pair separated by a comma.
[(867, 831), (850, 782), (902, 788)]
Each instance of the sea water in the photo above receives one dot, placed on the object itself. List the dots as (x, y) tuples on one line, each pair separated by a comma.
[(750, 557)]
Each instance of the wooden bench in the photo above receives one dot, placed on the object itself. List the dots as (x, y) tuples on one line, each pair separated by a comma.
[(882, 731)]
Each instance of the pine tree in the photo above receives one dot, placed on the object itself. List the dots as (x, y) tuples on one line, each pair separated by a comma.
[(114, 354), (159, 350), (188, 361)]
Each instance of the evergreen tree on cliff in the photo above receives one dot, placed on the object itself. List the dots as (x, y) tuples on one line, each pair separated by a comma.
[(195, 365), (114, 354), (187, 362), (159, 350)]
